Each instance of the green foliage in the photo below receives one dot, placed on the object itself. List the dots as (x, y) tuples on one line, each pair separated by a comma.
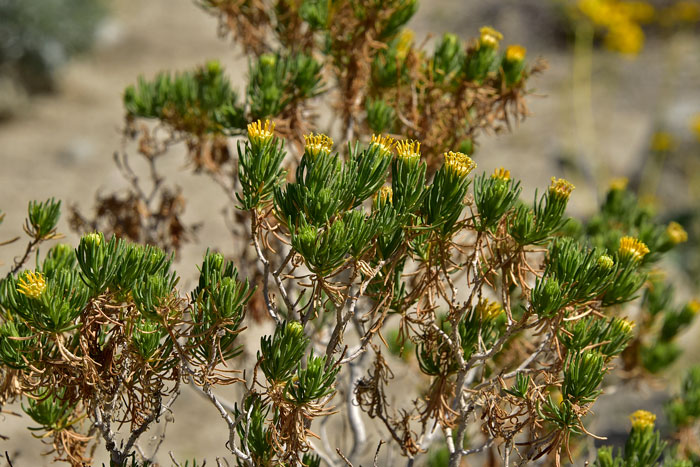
[(199, 102), (313, 382), (259, 169), (276, 81), (684, 409), (42, 218), (642, 448), (281, 353), (50, 412)]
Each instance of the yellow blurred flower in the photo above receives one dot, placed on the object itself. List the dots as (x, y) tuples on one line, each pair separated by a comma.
[(641, 420), (695, 126), (515, 53), (676, 233), (619, 183), (662, 141), (490, 37)]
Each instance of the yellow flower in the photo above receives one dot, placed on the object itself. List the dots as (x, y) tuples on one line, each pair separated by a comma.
[(560, 188), (501, 174), (295, 327), (31, 284), (695, 126), (662, 141), (641, 12), (515, 53), (260, 133), (386, 144), (606, 262), (694, 306), (626, 325), (619, 184), (490, 37), (684, 11), (93, 238), (676, 233), (488, 310), (641, 420), (315, 144), (384, 195), (408, 150), (459, 163), (625, 37), (630, 247), (404, 44)]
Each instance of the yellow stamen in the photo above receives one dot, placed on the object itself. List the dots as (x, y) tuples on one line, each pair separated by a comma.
[(560, 188), (260, 133), (488, 310), (384, 195), (676, 233), (315, 144), (501, 174), (459, 163), (31, 284), (386, 143), (630, 247), (606, 262), (641, 420), (408, 150), (92, 238), (626, 325), (515, 53)]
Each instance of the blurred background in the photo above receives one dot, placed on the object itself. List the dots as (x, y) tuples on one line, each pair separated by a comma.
[(620, 98)]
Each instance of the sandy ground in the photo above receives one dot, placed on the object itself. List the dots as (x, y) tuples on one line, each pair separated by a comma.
[(61, 145)]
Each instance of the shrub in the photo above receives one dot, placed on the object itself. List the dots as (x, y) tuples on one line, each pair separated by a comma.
[(515, 314)]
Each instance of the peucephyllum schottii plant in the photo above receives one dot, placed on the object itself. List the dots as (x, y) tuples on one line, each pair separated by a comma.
[(509, 314)]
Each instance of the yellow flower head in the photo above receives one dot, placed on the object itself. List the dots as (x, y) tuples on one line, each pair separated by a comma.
[(625, 37), (515, 53), (386, 144), (490, 37), (404, 44), (560, 188), (260, 133), (662, 141), (501, 174), (693, 306), (676, 233), (630, 247), (93, 238), (31, 284), (641, 420), (606, 262), (408, 150), (619, 184), (295, 327), (695, 126), (684, 11), (384, 195), (488, 310), (626, 325), (315, 144), (459, 163)]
